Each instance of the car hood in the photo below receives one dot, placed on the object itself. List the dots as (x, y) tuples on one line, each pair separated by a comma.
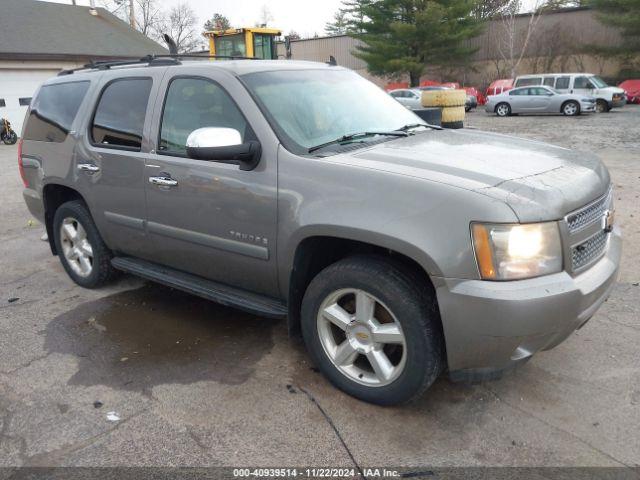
[(538, 181)]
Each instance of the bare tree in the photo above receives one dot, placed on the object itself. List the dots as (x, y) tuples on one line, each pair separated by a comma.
[(148, 17), (488, 9), (116, 7), (180, 24), (515, 32), (265, 16)]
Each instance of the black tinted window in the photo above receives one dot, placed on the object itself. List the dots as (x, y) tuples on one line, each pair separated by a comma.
[(538, 91), (549, 81), (25, 101), (54, 110), (525, 82), (194, 103), (119, 118), (2, 102), (520, 91), (562, 83)]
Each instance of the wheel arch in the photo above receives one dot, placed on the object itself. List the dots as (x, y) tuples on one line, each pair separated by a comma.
[(54, 195), (314, 252), (502, 102), (570, 101)]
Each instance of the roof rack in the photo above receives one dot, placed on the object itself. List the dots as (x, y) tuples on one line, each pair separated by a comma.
[(149, 60)]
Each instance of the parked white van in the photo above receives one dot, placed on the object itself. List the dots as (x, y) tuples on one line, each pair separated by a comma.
[(581, 83)]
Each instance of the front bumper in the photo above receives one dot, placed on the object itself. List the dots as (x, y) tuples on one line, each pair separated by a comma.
[(587, 107), (618, 102), (490, 327)]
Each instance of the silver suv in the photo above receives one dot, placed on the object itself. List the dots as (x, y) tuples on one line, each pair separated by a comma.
[(399, 250)]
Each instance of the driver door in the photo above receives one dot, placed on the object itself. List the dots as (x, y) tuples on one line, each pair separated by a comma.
[(539, 99), (208, 218)]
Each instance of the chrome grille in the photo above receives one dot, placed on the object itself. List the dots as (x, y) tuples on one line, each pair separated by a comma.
[(588, 250), (587, 215)]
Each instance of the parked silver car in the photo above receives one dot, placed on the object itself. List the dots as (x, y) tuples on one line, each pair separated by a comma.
[(409, 97), (539, 100)]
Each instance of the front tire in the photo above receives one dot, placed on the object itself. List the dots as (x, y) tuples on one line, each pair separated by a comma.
[(571, 109), (602, 106), (503, 109), (82, 252), (373, 330)]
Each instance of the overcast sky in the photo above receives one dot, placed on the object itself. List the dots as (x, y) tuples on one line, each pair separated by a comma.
[(304, 16)]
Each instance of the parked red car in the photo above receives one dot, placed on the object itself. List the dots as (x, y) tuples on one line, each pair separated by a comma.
[(499, 86), (476, 93), (632, 89)]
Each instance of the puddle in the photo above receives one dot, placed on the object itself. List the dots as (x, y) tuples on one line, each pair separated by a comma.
[(154, 335)]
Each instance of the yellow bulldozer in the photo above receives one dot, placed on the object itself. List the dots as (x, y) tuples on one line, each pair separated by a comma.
[(256, 42)]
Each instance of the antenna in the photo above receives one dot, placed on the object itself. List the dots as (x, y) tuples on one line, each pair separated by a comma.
[(173, 48)]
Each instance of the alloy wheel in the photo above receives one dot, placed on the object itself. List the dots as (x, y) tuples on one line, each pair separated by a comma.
[(570, 109), (76, 247), (502, 110), (362, 337)]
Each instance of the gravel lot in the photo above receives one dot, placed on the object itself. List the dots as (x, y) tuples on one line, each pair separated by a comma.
[(194, 384)]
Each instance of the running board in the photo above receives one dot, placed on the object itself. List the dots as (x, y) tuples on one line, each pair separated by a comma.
[(217, 292)]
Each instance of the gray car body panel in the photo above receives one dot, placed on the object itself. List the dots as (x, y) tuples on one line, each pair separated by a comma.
[(416, 196)]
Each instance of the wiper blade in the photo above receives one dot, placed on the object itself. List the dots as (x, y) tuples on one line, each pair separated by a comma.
[(353, 136), (411, 126)]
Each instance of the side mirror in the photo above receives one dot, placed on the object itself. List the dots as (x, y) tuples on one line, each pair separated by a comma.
[(223, 145)]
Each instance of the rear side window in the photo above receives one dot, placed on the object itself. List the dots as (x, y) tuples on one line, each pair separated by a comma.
[(525, 82), (54, 110), (562, 83), (549, 81), (2, 102), (119, 118), (24, 101)]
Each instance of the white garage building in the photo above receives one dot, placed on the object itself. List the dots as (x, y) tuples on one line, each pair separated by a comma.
[(38, 39)]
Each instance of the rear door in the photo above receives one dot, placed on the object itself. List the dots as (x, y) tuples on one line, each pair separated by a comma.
[(563, 84), (110, 163), (519, 100), (214, 220)]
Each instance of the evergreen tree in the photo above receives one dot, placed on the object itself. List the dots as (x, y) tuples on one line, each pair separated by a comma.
[(404, 36), (217, 22), (625, 15), (339, 25)]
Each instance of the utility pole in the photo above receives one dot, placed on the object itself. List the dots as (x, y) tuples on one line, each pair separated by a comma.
[(132, 15)]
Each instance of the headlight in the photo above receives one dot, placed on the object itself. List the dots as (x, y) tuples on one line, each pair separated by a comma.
[(510, 252)]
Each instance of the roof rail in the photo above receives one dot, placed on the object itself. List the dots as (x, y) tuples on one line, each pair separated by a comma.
[(149, 60)]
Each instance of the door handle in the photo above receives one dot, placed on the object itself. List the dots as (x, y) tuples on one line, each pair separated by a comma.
[(88, 167), (164, 181)]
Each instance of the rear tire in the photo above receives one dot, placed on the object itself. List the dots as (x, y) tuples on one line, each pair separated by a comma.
[(373, 330), (570, 108), (82, 252), (503, 109)]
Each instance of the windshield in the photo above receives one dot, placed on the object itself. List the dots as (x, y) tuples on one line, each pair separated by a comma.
[(311, 107), (598, 82)]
